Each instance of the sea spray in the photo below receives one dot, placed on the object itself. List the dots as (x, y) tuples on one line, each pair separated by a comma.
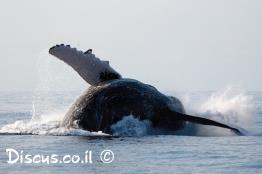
[(231, 106)]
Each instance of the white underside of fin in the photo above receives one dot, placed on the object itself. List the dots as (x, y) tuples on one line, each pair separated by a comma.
[(88, 66)]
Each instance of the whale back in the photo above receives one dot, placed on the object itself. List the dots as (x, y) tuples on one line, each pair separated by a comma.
[(101, 106)]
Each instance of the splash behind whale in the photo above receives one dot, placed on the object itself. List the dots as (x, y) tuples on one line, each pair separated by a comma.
[(111, 97)]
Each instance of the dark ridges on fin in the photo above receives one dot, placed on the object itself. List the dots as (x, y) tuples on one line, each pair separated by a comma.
[(106, 76), (89, 51), (87, 65), (52, 47), (56, 46)]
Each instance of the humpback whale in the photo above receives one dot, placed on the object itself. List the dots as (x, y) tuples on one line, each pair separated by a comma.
[(112, 97)]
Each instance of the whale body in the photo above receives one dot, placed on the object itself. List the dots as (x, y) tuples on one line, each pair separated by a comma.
[(111, 97)]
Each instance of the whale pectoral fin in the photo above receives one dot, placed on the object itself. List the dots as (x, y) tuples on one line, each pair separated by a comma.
[(205, 121), (86, 64)]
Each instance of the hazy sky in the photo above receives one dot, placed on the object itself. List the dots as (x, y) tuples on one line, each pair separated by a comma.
[(174, 45)]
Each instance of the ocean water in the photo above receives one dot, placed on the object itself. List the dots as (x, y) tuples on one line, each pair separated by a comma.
[(29, 124)]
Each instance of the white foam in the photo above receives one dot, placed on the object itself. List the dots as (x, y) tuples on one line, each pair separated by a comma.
[(46, 124), (130, 126)]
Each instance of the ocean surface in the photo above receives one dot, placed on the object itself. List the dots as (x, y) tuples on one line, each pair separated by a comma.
[(29, 124)]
